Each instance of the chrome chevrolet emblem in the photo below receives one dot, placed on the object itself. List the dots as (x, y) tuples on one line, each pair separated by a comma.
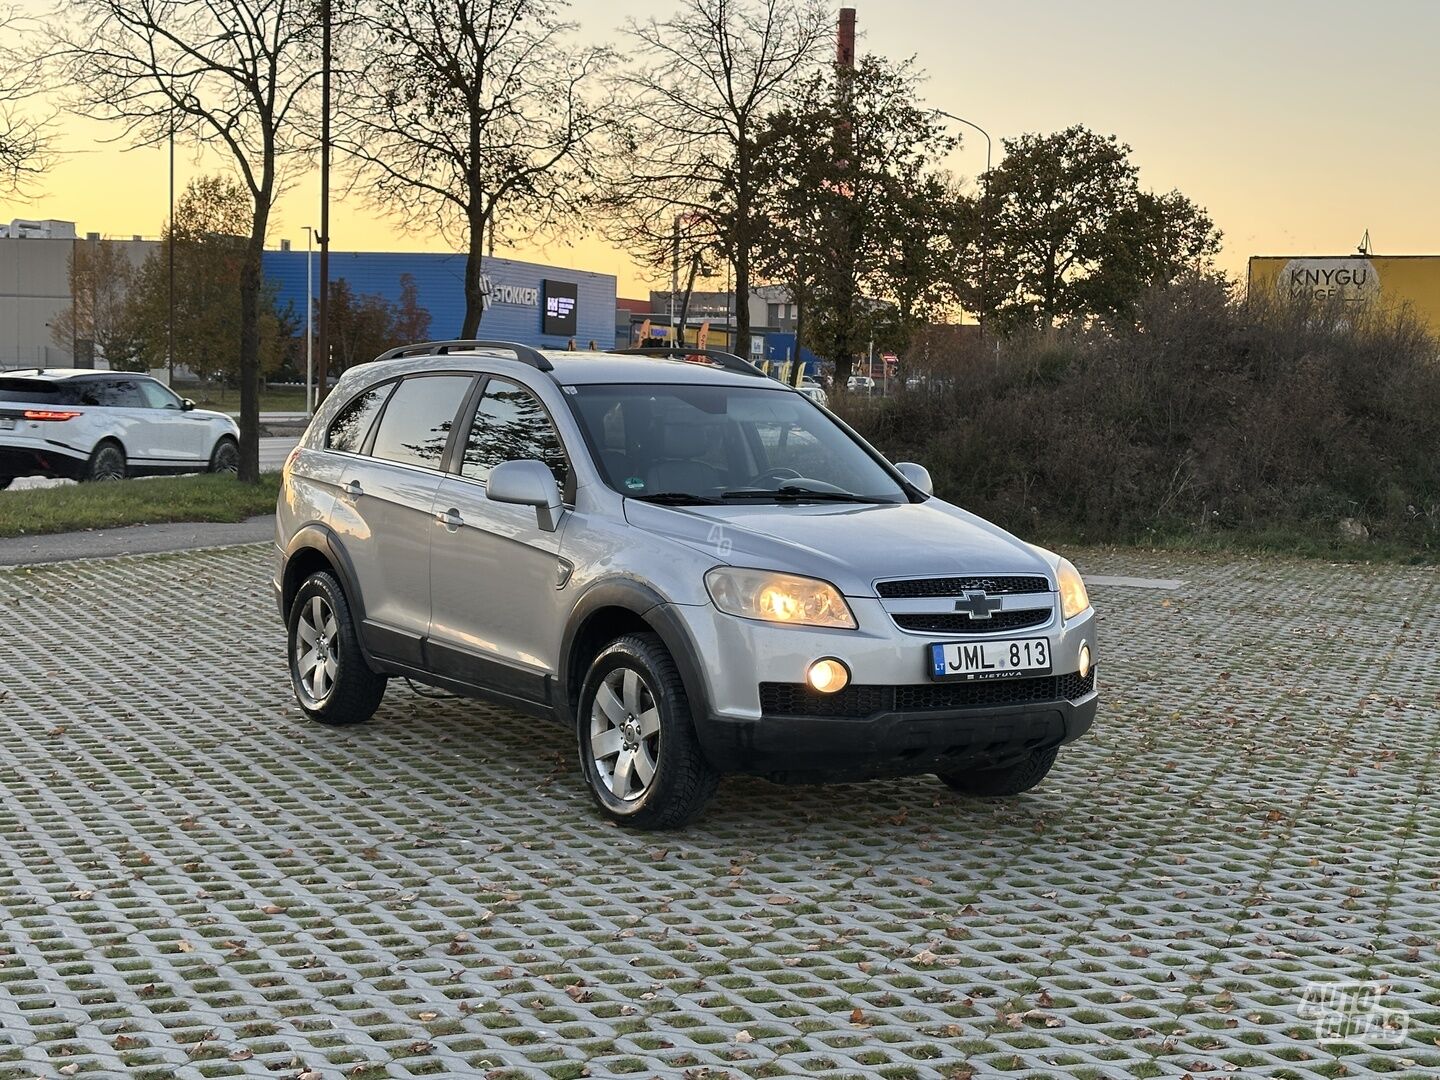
[(978, 605)]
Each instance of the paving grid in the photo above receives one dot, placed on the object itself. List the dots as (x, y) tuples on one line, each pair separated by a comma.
[(195, 882)]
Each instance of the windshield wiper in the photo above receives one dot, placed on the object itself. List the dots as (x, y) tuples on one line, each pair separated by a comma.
[(676, 498), (791, 493)]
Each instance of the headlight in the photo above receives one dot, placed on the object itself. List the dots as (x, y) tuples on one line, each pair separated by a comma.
[(1073, 597), (780, 598)]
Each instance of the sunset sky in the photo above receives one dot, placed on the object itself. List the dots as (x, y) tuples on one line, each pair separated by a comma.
[(1298, 125)]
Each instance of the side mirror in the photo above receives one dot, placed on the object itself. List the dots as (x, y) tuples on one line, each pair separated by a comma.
[(527, 483), (186, 404), (918, 475)]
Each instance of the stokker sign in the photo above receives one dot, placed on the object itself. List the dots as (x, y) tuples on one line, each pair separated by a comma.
[(493, 293)]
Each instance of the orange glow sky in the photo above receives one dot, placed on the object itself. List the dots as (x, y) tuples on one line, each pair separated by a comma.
[(1298, 125)]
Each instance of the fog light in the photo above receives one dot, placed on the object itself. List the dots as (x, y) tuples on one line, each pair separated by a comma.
[(827, 676), (1084, 660)]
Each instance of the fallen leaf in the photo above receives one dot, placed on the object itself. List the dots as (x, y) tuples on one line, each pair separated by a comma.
[(241, 1054), (185, 946), (779, 900), (273, 909), (857, 1017), (924, 958), (428, 1016), (744, 1037)]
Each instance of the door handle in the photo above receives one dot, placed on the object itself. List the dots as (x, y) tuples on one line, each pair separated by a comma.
[(451, 519), (353, 489)]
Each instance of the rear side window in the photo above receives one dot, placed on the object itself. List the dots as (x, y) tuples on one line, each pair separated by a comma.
[(350, 427), (120, 393), (418, 418), (37, 390)]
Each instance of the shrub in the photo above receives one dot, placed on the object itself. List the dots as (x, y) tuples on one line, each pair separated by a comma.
[(1211, 413)]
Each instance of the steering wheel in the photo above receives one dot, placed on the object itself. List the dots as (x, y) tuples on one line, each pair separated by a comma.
[(777, 474)]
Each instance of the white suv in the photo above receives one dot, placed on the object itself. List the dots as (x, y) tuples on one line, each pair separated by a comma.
[(106, 425)]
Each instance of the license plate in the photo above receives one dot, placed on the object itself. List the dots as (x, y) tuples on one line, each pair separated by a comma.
[(975, 660), (7, 423)]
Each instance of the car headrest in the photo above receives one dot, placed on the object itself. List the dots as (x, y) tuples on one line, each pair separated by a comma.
[(684, 440)]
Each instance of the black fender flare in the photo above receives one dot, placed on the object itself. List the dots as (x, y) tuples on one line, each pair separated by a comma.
[(659, 615), (321, 538)]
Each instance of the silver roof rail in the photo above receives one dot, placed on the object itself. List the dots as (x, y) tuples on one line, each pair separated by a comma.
[(720, 358), (524, 353)]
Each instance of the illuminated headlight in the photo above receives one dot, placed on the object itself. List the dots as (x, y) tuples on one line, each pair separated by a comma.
[(780, 598), (1073, 597), (828, 676)]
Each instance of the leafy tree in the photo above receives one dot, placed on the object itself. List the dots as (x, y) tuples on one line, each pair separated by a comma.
[(233, 74), (363, 326), (411, 322), (455, 109), (100, 275), (857, 213), (697, 98), (1071, 233), (211, 217)]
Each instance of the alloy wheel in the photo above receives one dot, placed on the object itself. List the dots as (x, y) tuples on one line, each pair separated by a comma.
[(625, 734), (316, 641)]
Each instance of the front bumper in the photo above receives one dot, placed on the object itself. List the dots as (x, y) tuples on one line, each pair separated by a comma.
[(800, 749), (908, 723)]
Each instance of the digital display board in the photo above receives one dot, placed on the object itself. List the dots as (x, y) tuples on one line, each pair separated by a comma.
[(560, 304)]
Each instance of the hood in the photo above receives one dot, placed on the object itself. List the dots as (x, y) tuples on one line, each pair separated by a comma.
[(207, 414), (848, 545)]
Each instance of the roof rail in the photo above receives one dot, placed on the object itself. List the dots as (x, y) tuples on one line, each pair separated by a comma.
[(524, 353), (728, 361)]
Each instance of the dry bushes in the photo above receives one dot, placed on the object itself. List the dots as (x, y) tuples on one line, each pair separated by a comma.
[(1214, 415)]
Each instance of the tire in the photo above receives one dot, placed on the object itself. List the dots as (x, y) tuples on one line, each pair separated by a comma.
[(106, 463), (637, 677), (225, 458), (340, 688), (1010, 780)]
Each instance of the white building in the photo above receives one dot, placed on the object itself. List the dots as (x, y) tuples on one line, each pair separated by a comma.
[(48, 229)]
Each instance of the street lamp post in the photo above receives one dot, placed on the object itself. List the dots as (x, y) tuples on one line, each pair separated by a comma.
[(309, 320), (325, 19), (984, 220)]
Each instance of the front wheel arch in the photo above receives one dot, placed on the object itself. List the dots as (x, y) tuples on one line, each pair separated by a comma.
[(626, 607)]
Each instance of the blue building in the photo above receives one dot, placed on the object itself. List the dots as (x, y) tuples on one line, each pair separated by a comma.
[(544, 306)]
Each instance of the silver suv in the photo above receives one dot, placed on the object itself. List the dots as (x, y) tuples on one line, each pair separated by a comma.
[(693, 565)]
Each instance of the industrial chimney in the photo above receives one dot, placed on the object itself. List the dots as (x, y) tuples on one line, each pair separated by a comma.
[(845, 42)]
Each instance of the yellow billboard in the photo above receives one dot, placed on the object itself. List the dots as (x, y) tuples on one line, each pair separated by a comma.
[(1401, 280)]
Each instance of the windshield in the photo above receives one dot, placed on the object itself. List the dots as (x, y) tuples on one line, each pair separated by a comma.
[(684, 443)]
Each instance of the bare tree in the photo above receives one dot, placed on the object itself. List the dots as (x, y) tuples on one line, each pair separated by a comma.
[(452, 109), (233, 73), (703, 84), (100, 277), (23, 134)]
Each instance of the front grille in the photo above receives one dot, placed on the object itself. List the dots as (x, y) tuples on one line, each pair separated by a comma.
[(923, 588), (855, 702), (958, 622)]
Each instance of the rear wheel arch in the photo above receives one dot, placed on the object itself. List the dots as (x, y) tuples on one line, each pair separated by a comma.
[(315, 549)]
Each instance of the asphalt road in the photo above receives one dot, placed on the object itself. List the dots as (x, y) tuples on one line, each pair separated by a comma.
[(273, 452)]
